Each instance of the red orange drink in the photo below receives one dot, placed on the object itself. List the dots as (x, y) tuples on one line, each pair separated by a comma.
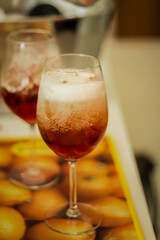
[(22, 103), (25, 53), (72, 115)]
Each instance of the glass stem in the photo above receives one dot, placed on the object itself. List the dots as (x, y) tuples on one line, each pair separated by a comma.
[(34, 169), (73, 210)]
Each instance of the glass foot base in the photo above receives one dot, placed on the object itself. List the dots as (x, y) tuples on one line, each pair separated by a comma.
[(87, 220), (28, 176)]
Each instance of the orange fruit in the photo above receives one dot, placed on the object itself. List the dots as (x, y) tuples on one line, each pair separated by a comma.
[(49, 166), (24, 149), (41, 160), (3, 174), (117, 187), (126, 232), (40, 231), (5, 157), (93, 186), (90, 166), (12, 224), (90, 186), (11, 195), (101, 149), (42, 201), (115, 211)]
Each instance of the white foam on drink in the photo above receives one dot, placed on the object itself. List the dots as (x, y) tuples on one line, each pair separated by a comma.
[(71, 87)]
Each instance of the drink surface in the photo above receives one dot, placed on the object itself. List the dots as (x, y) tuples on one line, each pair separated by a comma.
[(72, 114)]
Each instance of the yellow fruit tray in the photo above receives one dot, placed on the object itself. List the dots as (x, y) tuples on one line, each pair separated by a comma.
[(100, 182)]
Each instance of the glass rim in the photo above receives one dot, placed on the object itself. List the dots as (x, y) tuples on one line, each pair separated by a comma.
[(49, 60), (10, 35)]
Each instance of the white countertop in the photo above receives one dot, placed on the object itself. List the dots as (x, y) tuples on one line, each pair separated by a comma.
[(131, 71)]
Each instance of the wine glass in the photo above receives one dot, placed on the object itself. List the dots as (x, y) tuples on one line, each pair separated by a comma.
[(72, 116), (25, 53)]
